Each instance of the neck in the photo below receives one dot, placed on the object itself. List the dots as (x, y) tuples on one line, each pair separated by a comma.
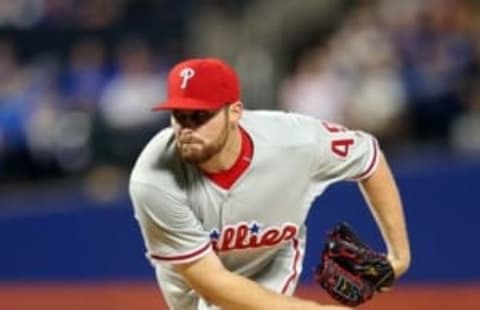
[(227, 157)]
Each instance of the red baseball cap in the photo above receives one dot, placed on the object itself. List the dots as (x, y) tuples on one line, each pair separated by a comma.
[(201, 84)]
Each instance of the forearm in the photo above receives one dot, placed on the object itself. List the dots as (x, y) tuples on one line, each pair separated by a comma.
[(234, 292), (381, 193), (230, 291)]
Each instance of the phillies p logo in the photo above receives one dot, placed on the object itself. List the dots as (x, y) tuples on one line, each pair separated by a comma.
[(186, 74)]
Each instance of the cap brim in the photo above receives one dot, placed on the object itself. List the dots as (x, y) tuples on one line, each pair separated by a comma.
[(187, 104)]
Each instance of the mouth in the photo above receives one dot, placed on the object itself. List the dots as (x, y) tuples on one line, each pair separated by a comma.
[(188, 138), (187, 147)]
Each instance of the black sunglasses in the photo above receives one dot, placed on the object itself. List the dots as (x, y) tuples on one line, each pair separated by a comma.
[(194, 118)]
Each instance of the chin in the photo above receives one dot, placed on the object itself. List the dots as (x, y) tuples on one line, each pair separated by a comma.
[(195, 157), (195, 160)]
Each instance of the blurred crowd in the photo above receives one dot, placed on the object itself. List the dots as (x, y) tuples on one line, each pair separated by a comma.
[(78, 78), (77, 82), (407, 71)]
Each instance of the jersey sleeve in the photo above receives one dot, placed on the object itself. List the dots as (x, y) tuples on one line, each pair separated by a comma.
[(171, 232), (344, 154)]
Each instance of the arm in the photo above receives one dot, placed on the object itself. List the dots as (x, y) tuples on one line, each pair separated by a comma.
[(217, 285), (168, 226), (381, 194)]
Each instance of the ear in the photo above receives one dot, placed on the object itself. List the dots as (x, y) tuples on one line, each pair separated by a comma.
[(236, 110)]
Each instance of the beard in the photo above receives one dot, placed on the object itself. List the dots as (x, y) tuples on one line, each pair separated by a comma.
[(196, 151)]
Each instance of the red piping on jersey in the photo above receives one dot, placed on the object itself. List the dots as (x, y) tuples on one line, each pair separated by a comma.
[(183, 256), (294, 267), (372, 163), (225, 179)]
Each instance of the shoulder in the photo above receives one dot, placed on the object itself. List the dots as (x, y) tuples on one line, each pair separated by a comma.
[(276, 118), (282, 127), (158, 165)]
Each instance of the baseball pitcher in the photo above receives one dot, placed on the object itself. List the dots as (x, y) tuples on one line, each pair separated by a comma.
[(222, 196)]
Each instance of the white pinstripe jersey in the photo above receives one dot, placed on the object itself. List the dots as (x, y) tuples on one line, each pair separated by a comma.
[(257, 226)]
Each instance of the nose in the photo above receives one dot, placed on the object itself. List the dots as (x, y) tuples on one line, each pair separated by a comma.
[(185, 132), (188, 122)]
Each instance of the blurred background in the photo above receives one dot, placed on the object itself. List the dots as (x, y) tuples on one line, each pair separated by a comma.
[(78, 79)]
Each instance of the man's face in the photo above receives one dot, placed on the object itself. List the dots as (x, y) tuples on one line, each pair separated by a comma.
[(200, 134)]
